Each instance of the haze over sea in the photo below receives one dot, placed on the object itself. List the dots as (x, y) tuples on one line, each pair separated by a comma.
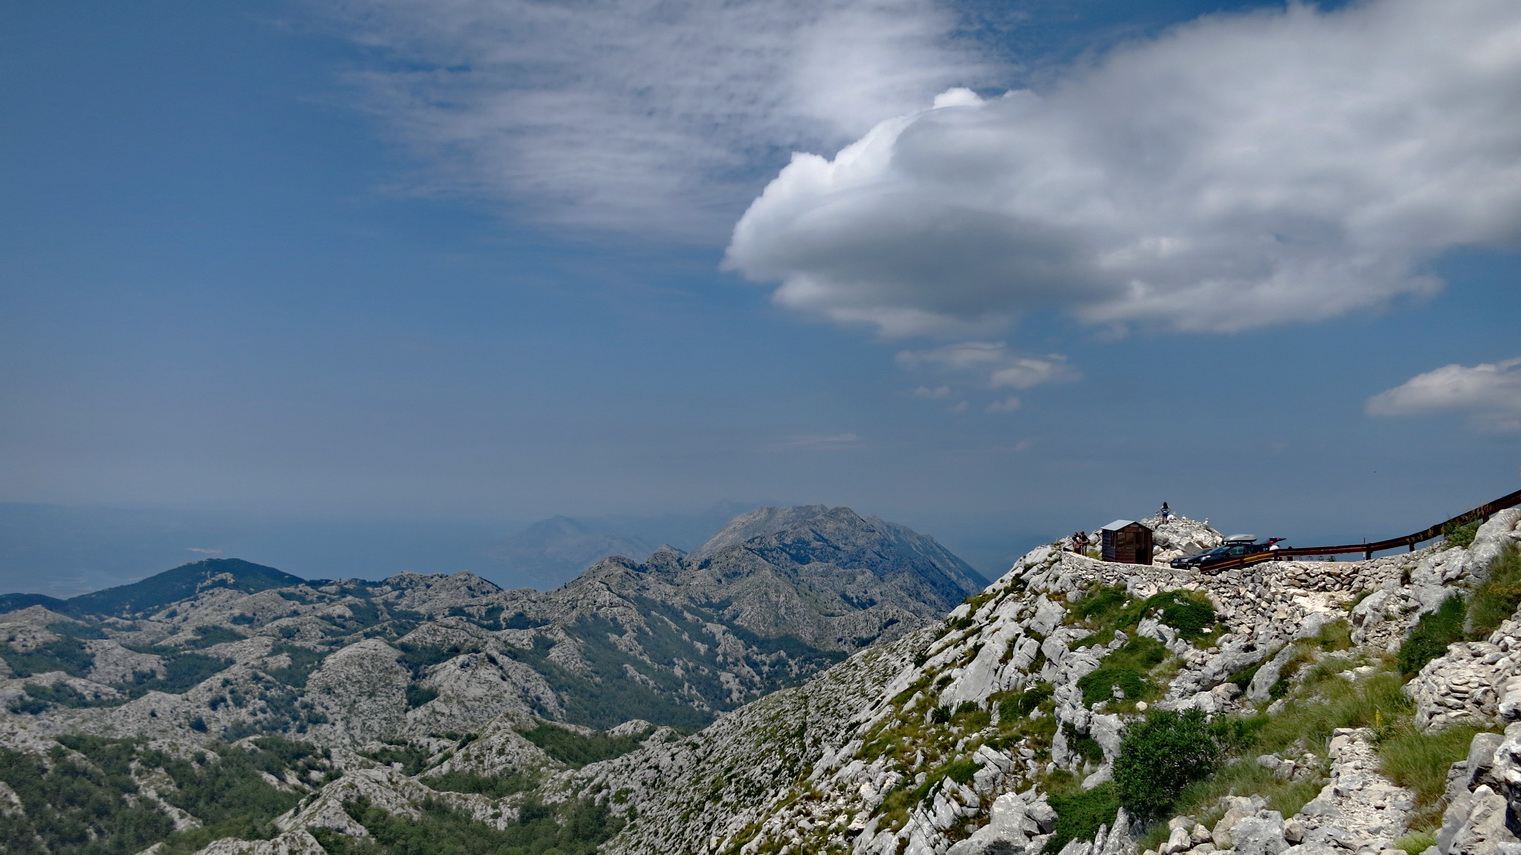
[(348, 288)]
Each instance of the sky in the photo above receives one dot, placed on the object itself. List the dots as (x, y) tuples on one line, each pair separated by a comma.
[(997, 271)]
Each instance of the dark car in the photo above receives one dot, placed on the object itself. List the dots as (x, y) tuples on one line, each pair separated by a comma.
[(1236, 546)]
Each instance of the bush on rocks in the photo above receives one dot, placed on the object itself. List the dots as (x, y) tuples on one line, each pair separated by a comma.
[(1161, 755)]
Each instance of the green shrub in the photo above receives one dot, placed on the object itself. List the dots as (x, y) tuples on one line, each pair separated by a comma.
[(417, 695), (303, 661), (576, 749), (492, 786), (1162, 754), (570, 828), (1461, 535), (65, 654), (206, 636), (1020, 705), (412, 758), (1433, 634), (38, 698), (1087, 748)]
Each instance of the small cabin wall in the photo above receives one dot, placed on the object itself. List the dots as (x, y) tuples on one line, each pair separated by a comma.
[(1129, 544)]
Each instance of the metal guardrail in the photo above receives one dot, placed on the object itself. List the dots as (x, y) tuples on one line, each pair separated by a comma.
[(1367, 549)]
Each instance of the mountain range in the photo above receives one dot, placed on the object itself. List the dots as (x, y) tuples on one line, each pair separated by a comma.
[(227, 648), (1072, 707), (61, 551)]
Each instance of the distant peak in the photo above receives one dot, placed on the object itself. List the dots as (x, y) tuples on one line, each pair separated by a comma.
[(182, 582), (764, 522)]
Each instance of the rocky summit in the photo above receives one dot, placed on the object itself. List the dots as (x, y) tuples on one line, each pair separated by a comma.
[(1072, 707)]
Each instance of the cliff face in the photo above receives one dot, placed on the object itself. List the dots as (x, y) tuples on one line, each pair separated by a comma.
[(1073, 706)]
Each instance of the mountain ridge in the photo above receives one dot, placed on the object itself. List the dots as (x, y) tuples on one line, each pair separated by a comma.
[(665, 640)]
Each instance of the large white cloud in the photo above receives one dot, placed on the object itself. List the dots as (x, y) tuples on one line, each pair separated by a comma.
[(1489, 393), (1235, 172), (644, 115)]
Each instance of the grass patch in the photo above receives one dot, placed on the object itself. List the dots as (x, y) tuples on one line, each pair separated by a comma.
[(417, 695), (1107, 609), (1332, 637), (1420, 762), (1330, 702), (1125, 669), (1433, 634), (1103, 604), (1323, 703), (1416, 842), (1496, 598), (1079, 814)]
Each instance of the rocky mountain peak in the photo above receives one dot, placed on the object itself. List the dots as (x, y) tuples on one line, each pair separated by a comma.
[(758, 523)]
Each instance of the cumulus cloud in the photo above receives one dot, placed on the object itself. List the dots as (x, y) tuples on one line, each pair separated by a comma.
[(1490, 393), (644, 114), (1239, 171)]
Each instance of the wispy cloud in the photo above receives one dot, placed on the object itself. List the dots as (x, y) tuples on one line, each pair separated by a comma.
[(1027, 373), (1284, 165), (1489, 393), (653, 115), (985, 365), (832, 441), (932, 393)]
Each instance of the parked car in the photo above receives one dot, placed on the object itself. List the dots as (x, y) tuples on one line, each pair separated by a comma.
[(1235, 546)]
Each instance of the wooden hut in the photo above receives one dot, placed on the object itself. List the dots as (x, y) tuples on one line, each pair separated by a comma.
[(1126, 542)]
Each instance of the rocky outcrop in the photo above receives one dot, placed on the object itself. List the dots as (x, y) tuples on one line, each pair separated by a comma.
[(1022, 634), (1176, 535)]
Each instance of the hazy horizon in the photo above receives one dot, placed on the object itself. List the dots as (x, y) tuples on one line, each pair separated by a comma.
[(995, 271)]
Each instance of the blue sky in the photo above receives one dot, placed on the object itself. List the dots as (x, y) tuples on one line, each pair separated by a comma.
[(997, 272)]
